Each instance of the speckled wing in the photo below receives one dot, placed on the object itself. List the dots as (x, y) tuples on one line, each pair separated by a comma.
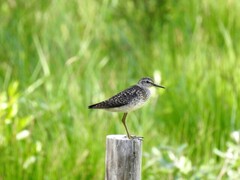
[(121, 99)]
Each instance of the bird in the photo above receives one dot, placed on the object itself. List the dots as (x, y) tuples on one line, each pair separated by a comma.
[(128, 100)]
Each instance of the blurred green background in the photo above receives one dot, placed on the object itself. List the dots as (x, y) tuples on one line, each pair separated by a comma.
[(58, 57)]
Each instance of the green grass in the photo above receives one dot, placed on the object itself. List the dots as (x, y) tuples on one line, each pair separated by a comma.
[(66, 55)]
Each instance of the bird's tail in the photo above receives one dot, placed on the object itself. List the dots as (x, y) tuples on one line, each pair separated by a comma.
[(100, 105)]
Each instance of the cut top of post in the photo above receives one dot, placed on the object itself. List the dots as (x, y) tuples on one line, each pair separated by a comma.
[(123, 137)]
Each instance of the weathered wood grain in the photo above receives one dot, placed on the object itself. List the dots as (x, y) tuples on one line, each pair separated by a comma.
[(123, 158)]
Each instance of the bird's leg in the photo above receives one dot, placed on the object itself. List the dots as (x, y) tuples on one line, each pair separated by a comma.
[(124, 123)]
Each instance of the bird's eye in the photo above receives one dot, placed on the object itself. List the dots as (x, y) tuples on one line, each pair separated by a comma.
[(148, 81)]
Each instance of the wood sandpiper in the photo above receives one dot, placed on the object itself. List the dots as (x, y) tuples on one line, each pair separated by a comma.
[(128, 100)]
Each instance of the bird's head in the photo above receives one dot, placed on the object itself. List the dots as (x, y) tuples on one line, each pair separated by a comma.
[(148, 82)]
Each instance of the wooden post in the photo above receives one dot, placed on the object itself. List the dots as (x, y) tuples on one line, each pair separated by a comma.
[(123, 158)]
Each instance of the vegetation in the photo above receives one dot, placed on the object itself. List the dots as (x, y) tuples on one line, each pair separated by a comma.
[(57, 57)]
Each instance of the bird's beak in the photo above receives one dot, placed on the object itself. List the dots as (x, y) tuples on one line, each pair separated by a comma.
[(158, 86)]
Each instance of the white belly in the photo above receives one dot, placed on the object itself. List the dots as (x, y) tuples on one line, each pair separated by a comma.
[(128, 108)]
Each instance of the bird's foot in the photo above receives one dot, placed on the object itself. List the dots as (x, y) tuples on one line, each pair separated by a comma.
[(135, 137)]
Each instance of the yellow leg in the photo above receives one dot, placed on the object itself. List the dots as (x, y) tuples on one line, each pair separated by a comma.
[(124, 123)]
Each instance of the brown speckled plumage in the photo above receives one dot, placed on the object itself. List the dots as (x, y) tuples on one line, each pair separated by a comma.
[(128, 96)]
